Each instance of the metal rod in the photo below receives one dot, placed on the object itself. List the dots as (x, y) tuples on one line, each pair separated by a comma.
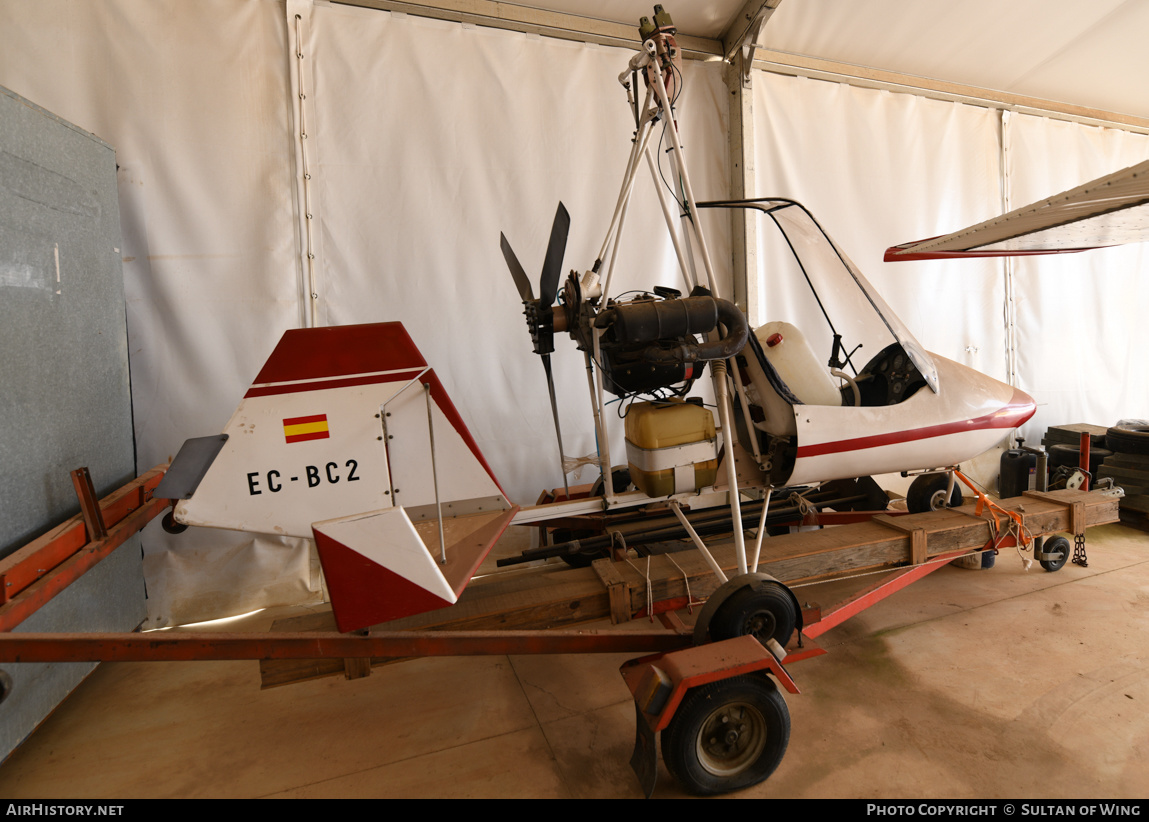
[(599, 423), (877, 592), (165, 646), (558, 428), (685, 267), (617, 243), (702, 549), (435, 474), (744, 403), (705, 522), (761, 530), (407, 385), (660, 87), (604, 444), (642, 136), (684, 215), (722, 397)]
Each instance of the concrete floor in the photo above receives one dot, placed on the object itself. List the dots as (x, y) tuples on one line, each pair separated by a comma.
[(978, 684)]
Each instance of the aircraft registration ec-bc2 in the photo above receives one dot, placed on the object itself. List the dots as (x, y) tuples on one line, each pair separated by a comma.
[(346, 435)]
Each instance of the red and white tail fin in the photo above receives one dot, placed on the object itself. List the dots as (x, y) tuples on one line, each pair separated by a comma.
[(380, 566), (340, 424)]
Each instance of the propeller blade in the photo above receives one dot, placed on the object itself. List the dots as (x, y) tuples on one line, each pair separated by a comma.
[(520, 276), (553, 264), (555, 414)]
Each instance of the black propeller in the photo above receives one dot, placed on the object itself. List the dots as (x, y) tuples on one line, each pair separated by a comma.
[(540, 317)]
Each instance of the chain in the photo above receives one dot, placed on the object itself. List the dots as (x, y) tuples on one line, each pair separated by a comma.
[(1079, 557)]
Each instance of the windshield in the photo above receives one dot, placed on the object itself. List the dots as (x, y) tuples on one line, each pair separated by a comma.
[(810, 283)]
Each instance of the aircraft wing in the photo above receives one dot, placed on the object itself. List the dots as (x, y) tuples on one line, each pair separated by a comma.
[(1110, 210)]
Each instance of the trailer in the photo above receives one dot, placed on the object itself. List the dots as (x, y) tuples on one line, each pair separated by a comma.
[(711, 675)]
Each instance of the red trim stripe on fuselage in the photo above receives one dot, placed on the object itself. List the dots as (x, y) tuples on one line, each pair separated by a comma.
[(1019, 409)]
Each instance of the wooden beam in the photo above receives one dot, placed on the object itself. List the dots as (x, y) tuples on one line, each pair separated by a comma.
[(549, 598)]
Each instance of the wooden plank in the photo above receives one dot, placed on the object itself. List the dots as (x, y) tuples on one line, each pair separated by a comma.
[(501, 601), (546, 598)]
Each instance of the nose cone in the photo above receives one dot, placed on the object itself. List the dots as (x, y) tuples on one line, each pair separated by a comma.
[(1020, 408)]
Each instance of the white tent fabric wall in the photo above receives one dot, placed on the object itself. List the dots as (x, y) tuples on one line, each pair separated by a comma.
[(916, 167), (420, 163), (873, 166), (427, 139), (194, 97), (1081, 318)]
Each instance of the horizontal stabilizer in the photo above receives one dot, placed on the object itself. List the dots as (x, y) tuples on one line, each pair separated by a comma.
[(381, 566), (1110, 210)]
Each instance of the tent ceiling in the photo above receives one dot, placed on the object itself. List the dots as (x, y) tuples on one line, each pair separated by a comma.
[(1083, 54)]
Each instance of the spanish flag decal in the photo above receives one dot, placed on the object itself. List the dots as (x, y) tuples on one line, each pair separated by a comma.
[(302, 429)]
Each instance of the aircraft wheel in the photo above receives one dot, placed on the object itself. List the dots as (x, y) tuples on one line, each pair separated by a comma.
[(928, 493), (1056, 544), (619, 478), (765, 611), (727, 735)]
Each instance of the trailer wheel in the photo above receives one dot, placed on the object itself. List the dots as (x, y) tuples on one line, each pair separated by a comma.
[(727, 735), (1056, 544), (765, 611), (928, 493)]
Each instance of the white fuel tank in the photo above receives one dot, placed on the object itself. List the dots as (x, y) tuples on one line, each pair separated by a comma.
[(807, 377)]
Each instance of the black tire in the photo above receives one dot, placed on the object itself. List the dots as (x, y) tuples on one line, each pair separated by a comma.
[(620, 479), (1070, 455), (927, 493), (1128, 439), (727, 735), (765, 611), (575, 560), (169, 524), (580, 560), (1056, 544)]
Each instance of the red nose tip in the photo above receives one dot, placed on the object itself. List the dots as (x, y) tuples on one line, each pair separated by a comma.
[(773, 340)]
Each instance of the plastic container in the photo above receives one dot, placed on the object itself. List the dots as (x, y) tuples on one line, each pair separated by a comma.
[(671, 447), (791, 355), (1017, 467)]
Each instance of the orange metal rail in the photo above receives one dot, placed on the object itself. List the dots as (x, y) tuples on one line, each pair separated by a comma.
[(34, 574)]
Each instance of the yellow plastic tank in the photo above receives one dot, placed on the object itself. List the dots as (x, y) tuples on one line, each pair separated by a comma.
[(672, 447)]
